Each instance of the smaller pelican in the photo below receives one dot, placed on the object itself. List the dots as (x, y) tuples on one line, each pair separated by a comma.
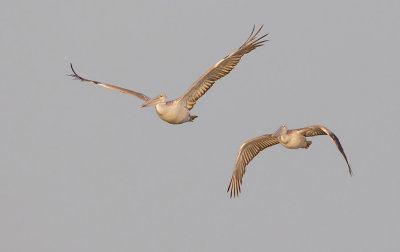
[(291, 139), (177, 111)]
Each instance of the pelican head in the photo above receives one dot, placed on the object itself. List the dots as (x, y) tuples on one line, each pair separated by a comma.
[(161, 98), (280, 131)]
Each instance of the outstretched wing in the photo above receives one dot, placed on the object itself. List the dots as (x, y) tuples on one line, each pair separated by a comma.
[(123, 90), (317, 130), (247, 152), (220, 69)]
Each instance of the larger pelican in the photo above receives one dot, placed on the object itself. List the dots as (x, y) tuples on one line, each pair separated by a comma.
[(291, 139), (177, 111)]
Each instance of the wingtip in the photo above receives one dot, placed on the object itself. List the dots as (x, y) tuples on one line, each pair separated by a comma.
[(232, 189), (351, 172), (74, 74), (72, 68)]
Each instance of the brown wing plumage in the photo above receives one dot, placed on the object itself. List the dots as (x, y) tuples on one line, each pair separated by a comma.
[(247, 152), (317, 130), (220, 69), (123, 90)]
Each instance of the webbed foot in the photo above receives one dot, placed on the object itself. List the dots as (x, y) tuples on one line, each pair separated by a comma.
[(192, 117)]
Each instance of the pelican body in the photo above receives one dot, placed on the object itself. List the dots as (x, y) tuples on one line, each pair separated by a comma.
[(178, 111), (291, 139), (173, 112)]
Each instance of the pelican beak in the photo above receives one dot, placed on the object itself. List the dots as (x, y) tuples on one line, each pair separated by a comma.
[(278, 132), (151, 102)]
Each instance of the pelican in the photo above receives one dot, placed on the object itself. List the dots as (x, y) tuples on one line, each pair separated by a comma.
[(291, 139), (177, 111)]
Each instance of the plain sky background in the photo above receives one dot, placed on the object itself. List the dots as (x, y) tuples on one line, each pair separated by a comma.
[(83, 168)]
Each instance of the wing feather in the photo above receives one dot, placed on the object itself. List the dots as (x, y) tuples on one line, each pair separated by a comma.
[(247, 152), (123, 90), (220, 69), (317, 130)]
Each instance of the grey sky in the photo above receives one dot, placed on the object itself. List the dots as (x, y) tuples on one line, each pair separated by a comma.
[(84, 169)]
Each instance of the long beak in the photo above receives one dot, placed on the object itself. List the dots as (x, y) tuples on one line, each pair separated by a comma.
[(151, 102), (278, 132)]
